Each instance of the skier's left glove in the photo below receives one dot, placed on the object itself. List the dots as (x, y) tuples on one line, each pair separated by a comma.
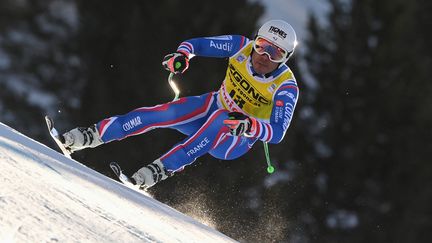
[(176, 62), (240, 124)]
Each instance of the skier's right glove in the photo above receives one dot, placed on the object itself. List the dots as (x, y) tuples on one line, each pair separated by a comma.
[(176, 62), (240, 124)]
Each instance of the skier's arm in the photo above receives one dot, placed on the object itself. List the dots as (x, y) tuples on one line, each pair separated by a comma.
[(285, 101), (217, 46)]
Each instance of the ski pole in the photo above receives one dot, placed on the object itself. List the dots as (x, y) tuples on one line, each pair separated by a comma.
[(173, 86), (270, 168)]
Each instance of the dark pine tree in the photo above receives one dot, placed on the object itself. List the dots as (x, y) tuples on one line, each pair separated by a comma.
[(373, 115)]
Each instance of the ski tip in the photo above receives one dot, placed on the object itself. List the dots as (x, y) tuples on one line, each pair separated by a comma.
[(49, 121), (115, 168)]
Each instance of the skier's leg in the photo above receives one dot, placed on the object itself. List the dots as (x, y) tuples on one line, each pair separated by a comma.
[(170, 115), (231, 147), (226, 147), (141, 120), (201, 142)]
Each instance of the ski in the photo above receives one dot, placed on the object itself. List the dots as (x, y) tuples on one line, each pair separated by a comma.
[(55, 135)]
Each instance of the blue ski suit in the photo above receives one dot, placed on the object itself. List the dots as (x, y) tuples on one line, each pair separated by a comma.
[(270, 99)]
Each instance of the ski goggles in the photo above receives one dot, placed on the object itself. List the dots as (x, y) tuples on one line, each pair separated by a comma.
[(275, 53)]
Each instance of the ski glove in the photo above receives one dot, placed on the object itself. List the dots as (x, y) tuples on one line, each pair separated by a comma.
[(239, 124), (176, 62)]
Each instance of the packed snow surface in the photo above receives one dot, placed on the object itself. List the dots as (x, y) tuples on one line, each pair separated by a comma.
[(46, 197)]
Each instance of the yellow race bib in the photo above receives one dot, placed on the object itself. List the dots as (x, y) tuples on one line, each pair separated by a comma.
[(241, 91)]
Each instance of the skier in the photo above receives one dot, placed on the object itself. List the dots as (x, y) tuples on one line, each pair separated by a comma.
[(256, 101)]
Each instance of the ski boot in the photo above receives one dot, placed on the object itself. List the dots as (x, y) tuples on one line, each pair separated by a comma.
[(149, 175), (81, 138)]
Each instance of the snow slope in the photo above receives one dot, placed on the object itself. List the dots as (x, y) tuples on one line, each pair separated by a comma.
[(45, 197)]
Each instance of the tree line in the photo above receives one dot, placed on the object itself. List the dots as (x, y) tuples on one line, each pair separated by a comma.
[(354, 166)]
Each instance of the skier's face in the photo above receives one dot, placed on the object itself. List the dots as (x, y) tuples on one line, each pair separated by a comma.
[(262, 64)]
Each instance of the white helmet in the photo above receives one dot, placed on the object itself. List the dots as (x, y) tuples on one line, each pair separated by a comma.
[(279, 33)]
